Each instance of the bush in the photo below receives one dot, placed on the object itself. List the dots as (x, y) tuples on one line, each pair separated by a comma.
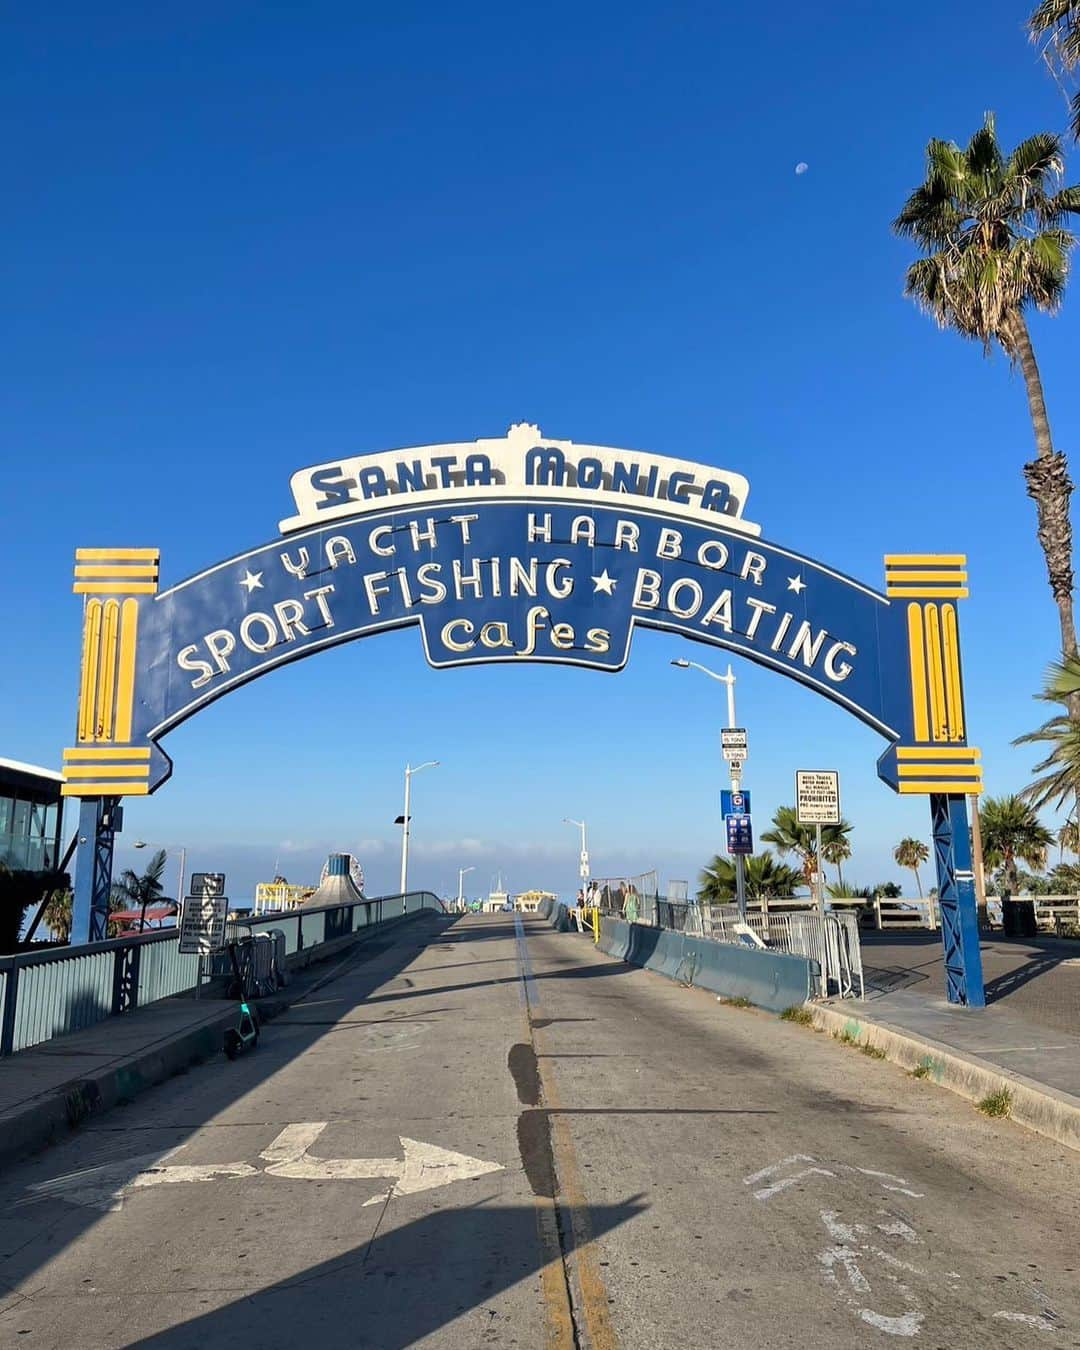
[(997, 1103)]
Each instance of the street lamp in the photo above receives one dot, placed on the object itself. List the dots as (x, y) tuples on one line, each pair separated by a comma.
[(736, 778), (142, 843), (728, 679), (584, 867), (460, 880), (403, 820)]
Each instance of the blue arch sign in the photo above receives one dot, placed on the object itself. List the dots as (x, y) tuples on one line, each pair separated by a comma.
[(525, 549)]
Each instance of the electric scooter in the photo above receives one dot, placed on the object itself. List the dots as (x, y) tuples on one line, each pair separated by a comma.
[(245, 1035)]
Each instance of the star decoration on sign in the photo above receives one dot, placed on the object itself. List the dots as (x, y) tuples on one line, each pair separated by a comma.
[(796, 584), (604, 583), (252, 580)]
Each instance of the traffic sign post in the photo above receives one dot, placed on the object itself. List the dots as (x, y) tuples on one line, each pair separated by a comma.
[(202, 924), (202, 919), (817, 803)]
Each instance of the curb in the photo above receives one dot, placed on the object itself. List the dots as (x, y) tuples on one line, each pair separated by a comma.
[(1047, 1111), (62, 1111)]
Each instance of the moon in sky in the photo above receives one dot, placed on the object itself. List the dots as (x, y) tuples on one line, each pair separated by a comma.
[(801, 167)]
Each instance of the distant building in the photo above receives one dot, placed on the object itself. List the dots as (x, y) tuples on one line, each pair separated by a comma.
[(528, 902), (31, 816), (497, 899), (278, 897)]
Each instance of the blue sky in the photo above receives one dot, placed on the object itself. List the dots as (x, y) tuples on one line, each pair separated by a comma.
[(240, 240)]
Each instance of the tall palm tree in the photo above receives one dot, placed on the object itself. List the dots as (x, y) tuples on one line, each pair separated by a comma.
[(1058, 22), (764, 877), (837, 851), (1068, 839), (142, 890), (1012, 833), (912, 853), (791, 837), (991, 227)]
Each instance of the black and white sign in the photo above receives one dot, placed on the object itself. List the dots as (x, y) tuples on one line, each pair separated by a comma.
[(202, 924), (208, 883), (733, 743), (817, 797)]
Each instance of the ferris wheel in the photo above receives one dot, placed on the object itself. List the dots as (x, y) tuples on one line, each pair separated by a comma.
[(356, 873)]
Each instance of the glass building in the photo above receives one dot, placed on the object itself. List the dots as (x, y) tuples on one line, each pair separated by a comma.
[(30, 816)]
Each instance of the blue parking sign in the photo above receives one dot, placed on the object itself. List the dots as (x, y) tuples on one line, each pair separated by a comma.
[(735, 803), (740, 834)]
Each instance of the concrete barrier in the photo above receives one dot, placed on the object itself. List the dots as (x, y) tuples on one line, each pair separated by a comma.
[(772, 980)]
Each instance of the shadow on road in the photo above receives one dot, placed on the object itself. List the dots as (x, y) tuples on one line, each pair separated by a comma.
[(33, 1232), (406, 1284)]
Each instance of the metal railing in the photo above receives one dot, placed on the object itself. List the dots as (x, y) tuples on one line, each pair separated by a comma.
[(60, 989), (632, 898), (831, 939)]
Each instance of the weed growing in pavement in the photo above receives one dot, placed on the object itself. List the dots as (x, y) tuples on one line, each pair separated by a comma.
[(997, 1103), (923, 1069), (739, 1002), (845, 1037), (872, 1051), (803, 1017)]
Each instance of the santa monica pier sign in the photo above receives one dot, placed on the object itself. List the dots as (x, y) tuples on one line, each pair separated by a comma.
[(521, 548)]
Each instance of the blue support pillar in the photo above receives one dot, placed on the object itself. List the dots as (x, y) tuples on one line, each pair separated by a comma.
[(99, 819), (956, 900)]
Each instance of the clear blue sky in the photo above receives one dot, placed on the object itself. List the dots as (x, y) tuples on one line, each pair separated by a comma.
[(241, 239)]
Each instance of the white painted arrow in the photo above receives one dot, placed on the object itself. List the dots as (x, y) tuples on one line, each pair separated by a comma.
[(424, 1166), (103, 1187)]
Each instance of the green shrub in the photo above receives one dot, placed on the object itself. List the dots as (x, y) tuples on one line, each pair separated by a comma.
[(997, 1103), (802, 1016)]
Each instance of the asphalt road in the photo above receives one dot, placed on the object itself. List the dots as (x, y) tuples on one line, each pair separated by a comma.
[(478, 1138)]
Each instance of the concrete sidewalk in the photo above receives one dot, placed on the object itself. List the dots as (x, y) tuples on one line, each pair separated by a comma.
[(1037, 979), (973, 1052), (52, 1088)]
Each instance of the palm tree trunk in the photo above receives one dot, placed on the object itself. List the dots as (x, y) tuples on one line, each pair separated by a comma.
[(1049, 485), (918, 881)]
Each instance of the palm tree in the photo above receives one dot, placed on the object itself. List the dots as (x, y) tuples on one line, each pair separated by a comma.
[(144, 890), (1058, 21), (1012, 832), (1059, 772), (1068, 838), (912, 853), (991, 229), (791, 837), (58, 915), (765, 877), (837, 851)]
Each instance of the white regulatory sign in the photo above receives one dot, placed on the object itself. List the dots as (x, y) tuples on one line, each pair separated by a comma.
[(207, 883), (202, 924), (733, 743), (817, 797)]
